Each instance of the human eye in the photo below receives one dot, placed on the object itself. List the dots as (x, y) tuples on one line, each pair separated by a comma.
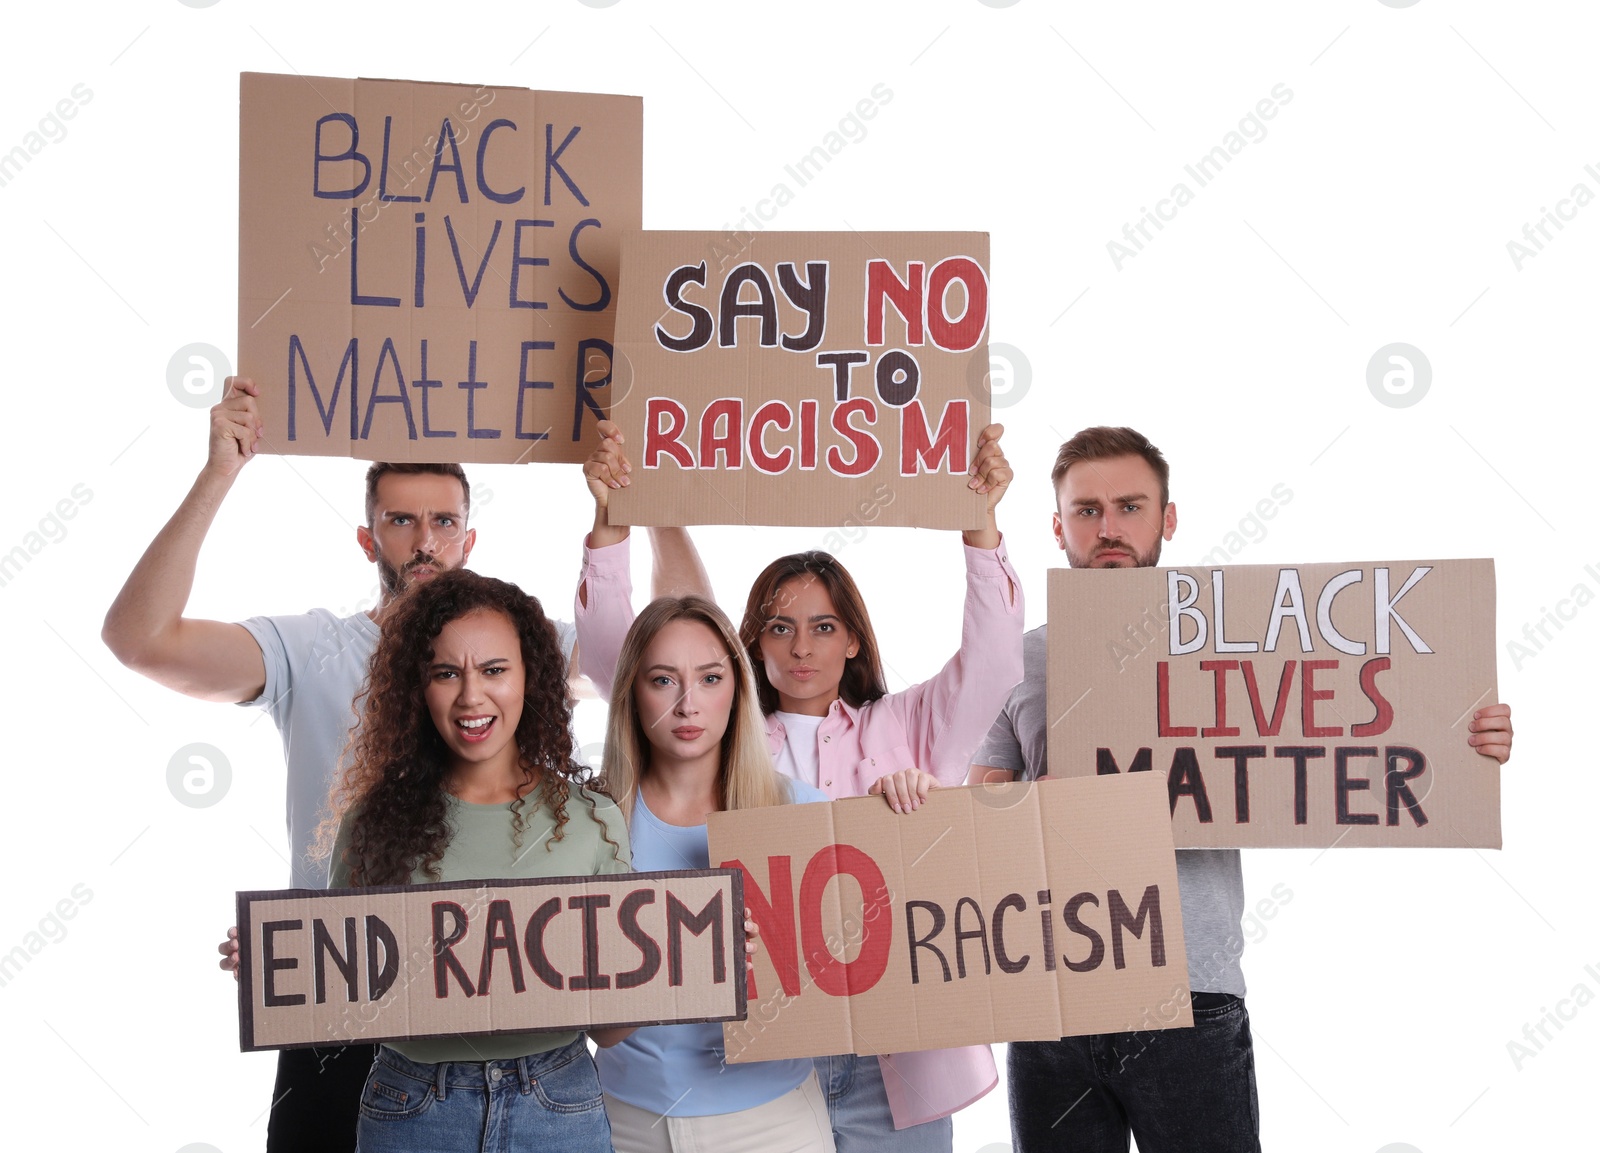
[(825, 627), (1130, 507), (1088, 511), (494, 670), (712, 679), (400, 519), (445, 674), (661, 681), (777, 629)]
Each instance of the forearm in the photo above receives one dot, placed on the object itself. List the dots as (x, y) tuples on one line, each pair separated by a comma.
[(987, 537), (676, 569), (147, 615)]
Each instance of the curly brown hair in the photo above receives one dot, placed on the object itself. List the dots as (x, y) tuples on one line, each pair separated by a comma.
[(395, 786)]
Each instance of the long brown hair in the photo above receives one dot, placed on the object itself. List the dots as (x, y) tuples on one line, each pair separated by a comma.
[(395, 789), (745, 778), (863, 673)]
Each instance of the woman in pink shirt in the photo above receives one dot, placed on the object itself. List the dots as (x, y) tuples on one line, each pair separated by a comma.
[(832, 723)]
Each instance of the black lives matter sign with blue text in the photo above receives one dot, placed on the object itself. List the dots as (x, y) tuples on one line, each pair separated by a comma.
[(1285, 705), (428, 272), (336, 966)]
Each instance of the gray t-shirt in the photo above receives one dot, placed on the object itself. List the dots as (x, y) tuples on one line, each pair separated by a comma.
[(1210, 881), (316, 664)]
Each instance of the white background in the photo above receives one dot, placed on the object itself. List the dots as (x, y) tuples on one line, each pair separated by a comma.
[(1377, 208)]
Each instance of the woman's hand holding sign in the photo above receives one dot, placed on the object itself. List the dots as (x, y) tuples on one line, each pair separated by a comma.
[(990, 474), (905, 789)]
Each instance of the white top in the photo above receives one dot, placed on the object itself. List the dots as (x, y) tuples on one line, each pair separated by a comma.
[(798, 756)]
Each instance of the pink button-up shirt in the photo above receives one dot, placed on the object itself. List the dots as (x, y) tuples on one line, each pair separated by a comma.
[(935, 726)]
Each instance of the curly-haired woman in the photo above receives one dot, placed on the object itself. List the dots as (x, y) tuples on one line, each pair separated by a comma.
[(463, 770)]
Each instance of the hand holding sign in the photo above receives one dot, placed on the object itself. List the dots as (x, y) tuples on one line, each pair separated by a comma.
[(1490, 732), (236, 427), (990, 476)]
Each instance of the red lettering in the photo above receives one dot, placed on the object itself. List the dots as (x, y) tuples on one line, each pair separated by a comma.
[(867, 448), (1219, 671), (884, 287), (808, 435), (1310, 695), (1285, 679), (774, 920), (920, 453), (774, 412), (1384, 717), (668, 439), (1163, 705), (964, 332), (728, 414), (833, 976)]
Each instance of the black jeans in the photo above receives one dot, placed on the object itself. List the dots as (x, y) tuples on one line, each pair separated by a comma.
[(316, 1098), (1176, 1090)]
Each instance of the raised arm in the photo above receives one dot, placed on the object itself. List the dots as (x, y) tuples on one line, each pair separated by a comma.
[(676, 569), (949, 715), (145, 627)]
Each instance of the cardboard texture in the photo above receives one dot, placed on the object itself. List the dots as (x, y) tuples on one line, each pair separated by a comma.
[(334, 966), (428, 272), (1001, 913), (1301, 706), (802, 378)]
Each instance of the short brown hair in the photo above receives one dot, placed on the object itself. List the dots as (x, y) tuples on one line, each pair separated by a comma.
[(863, 673), (383, 468), (1103, 442)]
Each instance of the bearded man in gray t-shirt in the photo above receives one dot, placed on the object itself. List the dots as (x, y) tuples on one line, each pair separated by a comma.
[(307, 669)]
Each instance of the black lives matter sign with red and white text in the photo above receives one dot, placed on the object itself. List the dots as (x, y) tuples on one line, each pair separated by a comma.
[(1287, 705)]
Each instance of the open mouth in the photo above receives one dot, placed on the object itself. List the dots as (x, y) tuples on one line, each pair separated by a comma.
[(475, 729)]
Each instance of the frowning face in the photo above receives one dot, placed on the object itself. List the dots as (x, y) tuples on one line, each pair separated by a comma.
[(1109, 514)]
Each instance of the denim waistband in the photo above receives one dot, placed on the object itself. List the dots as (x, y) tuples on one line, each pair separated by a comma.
[(520, 1072)]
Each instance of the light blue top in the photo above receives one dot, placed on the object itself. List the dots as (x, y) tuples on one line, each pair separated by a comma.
[(679, 1070)]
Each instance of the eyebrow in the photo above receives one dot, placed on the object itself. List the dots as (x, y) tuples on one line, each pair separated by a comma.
[(789, 620), (391, 513), (716, 664), (480, 665), (1129, 499)]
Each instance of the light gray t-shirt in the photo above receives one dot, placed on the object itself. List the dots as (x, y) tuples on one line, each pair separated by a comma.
[(316, 664), (1210, 881)]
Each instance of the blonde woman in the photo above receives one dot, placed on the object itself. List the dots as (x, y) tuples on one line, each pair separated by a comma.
[(686, 738)]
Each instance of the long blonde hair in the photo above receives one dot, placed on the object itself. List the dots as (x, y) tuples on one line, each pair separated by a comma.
[(745, 776)]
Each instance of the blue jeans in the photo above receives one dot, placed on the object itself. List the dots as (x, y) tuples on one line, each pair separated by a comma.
[(546, 1101), (1177, 1090), (858, 1108)]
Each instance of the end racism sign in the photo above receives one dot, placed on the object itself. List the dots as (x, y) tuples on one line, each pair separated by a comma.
[(1002, 913), (802, 378), (319, 967), (1305, 705), (428, 272)]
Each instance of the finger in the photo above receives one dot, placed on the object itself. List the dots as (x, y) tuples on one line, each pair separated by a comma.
[(609, 431), (239, 384)]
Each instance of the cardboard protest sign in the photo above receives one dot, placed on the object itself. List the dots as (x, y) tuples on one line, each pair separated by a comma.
[(390, 963), (1001, 913), (1306, 705), (428, 272), (802, 378)]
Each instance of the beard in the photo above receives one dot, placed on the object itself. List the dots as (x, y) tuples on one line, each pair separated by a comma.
[(396, 580), (1133, 558)]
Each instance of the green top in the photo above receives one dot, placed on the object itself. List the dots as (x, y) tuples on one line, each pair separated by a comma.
[(481, 849)]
